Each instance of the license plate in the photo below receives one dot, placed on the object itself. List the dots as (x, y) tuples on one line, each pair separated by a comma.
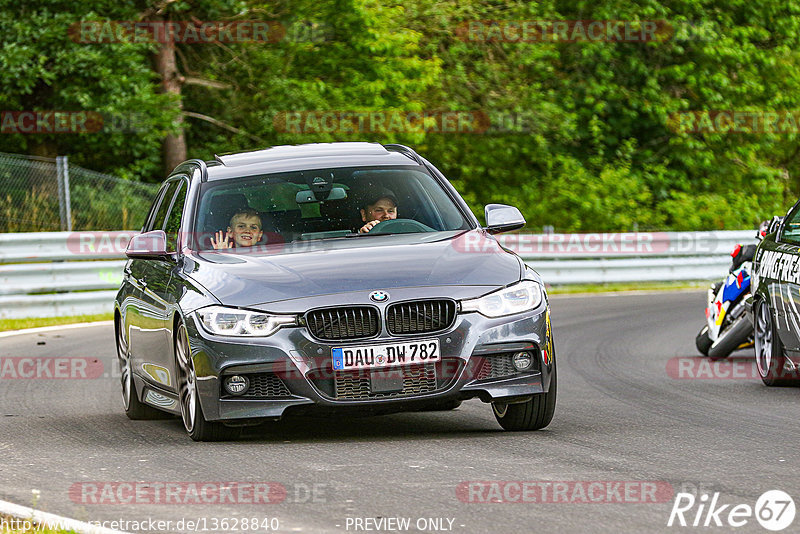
[(385, 355)]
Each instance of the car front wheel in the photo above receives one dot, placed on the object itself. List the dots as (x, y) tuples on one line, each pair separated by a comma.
[(533, 414), (191, 412), (770, 358)]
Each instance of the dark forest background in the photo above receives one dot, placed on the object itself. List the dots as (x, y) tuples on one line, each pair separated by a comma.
[(580, 137)]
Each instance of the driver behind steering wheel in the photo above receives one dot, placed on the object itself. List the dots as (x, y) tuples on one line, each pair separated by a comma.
[(380, 207)]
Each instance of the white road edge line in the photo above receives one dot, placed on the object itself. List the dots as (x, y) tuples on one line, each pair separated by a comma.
[(53, 520), (54, 328)]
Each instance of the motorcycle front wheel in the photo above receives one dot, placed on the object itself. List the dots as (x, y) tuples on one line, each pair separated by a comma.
[(730, 338), (702, 341)]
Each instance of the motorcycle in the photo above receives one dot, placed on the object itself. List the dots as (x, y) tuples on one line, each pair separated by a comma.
[(728, 327)]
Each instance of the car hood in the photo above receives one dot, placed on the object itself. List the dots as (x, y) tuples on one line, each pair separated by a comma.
[(314, 268)]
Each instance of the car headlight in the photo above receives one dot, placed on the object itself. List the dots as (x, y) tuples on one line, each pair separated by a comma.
[(520, 297), (234, 322)]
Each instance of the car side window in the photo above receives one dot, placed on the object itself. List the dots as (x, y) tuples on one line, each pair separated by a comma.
[(173, 224), (791, 228), (148, 222), (166, 200)]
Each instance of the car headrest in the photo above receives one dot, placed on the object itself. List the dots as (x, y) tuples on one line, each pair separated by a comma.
[(221, 209), (228, 203)]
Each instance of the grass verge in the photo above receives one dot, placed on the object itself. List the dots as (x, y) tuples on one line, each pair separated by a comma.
[(625, 286), (35, 322)]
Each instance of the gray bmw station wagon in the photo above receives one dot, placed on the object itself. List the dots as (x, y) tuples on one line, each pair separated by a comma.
[(335, 278)]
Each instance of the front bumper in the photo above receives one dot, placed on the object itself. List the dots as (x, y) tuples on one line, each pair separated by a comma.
[(475, 363)]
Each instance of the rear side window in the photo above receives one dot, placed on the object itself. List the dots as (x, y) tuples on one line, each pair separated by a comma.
[(148, 221), (157, 223)]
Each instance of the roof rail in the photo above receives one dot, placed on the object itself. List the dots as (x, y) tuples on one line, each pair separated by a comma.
[(406, 151), (308, 150), (188, 166)]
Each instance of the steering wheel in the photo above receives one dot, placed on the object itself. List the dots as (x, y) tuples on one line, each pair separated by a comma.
[(400, 226)]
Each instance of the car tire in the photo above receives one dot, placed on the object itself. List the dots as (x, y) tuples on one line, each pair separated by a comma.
[(533, 414), (702, 341), (730, 338), (134, 408), (770, 357), (191, 412)]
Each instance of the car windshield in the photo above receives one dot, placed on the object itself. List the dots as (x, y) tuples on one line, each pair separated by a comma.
[(319, 204)]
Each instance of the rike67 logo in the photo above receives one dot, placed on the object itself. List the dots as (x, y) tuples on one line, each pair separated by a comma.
[(774, 510)]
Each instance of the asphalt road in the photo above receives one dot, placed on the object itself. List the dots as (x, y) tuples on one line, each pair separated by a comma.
[(624, 414)]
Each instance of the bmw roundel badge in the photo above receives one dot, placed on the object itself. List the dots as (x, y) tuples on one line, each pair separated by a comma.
[(379, 296)]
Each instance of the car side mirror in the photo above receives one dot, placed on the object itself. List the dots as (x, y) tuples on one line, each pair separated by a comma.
[(502, 218), (149, 245)]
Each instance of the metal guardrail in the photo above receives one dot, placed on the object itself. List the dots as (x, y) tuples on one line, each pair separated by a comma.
[(28, 278), (604, 271), (77, 273), (57, 305), (625, 244), (628, 257), (66, 246)]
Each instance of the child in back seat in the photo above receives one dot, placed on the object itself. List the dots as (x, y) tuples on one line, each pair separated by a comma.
[(244, 230)]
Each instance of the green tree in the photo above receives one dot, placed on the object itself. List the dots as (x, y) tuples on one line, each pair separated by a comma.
[(46, 67), (336, 55), (598, 113), (582, 133)]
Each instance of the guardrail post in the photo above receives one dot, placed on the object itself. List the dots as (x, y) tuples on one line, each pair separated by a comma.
[(64, 208)]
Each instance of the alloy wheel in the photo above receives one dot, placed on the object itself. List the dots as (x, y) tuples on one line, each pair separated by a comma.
[(188, 381), (763, 340), (124, 358)]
